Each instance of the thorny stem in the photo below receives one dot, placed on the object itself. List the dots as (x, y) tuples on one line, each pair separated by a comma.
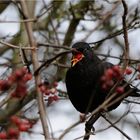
[(33, 43)]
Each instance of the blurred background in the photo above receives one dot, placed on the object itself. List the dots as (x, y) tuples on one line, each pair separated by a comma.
[(56, 25)]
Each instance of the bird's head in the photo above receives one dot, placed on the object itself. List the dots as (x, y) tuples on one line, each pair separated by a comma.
[(80, 50)]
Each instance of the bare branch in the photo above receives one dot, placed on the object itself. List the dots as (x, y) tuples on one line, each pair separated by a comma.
[(46, 63), (126, 48), (16, 47), (112, 124), (68, 129), (19, 21), (40, 100)]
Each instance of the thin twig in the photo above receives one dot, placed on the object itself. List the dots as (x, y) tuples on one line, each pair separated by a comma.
[(68, 129), (19, 21), (120, 58), (108, 102), (110, 36), (112, 124), (118, 120), (49, 61), (46, 10), (5, 100), (54, 46), (16, 47), (105, 18), (130, 101), (126, 48)]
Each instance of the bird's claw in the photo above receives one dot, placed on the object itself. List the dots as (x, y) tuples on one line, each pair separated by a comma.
[(82, 117)]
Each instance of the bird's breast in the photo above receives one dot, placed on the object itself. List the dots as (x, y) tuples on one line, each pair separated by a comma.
[(80, 79)]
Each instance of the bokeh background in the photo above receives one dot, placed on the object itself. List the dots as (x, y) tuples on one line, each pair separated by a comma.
[(60, 23)]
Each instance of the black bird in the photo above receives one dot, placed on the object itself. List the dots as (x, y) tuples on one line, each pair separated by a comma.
[(83, 79)]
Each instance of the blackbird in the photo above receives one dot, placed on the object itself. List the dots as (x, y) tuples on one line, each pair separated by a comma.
[(83, 79)]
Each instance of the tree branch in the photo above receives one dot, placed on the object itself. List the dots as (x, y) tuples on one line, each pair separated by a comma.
[(81, 8), (16, 47), (112, 124), (126, 48), (33, 43)]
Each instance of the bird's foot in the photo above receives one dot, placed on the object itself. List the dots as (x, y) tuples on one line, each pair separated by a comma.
[(82, 117), (89, 130)]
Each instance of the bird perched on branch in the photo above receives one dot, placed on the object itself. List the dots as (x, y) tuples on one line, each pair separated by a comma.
[(87, 80)]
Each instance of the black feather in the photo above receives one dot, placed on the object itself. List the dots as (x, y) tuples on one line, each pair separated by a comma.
[(83, 80)]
